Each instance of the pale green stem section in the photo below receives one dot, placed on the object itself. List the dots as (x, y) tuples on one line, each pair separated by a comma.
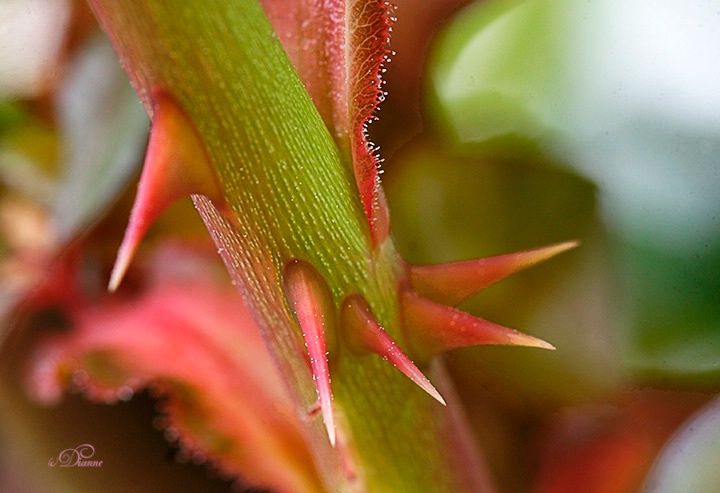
[(294, 198)]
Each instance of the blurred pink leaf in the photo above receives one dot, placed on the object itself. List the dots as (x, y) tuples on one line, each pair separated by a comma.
[(609, 447), (190, 338)]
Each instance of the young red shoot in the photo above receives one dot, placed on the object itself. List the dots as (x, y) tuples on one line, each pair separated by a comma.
[(338, 48)]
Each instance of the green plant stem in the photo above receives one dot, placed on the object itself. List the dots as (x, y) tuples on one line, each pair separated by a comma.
[(294, 197)]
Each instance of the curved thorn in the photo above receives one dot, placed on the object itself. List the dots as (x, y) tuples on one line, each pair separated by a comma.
[(453, 282), (433, 328), (176, 165), (311, 302), (364, 333)]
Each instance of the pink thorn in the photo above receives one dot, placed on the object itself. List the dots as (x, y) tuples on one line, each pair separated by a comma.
[(433, 328), (311, 301), (453, 282), (364, 333), (176, 165)]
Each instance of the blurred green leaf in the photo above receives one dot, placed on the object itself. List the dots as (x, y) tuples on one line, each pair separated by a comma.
[(675, 339), (10, 115), (498, 69)]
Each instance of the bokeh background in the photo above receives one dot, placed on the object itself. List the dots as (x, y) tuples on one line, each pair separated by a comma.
[(508, 125)]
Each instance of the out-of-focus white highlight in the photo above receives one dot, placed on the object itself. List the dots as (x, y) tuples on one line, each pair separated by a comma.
[(31, 34)]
